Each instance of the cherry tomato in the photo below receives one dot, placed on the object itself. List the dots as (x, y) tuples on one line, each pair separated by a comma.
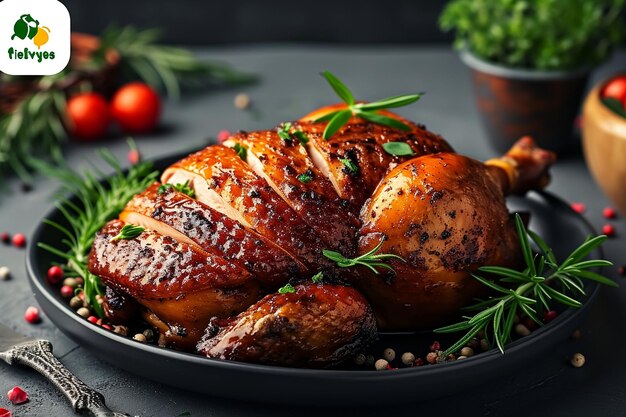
[(136, 108), (88, 115), (616, 88)]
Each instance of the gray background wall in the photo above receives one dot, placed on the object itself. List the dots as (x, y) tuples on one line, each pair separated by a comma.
[(237, 21)]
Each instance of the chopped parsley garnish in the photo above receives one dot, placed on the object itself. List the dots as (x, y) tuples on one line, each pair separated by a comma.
[(306, 177), (181, 188), (285, 134), (318, 278), (241, 150), (351, 166), (288, 288)]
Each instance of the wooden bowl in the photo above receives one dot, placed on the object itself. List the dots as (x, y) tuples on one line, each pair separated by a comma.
[(604, 147)]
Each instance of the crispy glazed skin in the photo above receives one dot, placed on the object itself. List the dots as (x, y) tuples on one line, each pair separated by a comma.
[(444, 214), (280, 163), (361, 142), (317, 326), (182, 284), (193, 222), (227, 177)]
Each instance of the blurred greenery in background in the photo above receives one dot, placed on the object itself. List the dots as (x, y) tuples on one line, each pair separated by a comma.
[(537, 34)]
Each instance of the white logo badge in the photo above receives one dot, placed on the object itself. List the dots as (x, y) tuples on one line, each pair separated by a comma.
[(34, 37)]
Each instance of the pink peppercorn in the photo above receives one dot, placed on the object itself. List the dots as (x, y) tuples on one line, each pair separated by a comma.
[(93, 319), (609, 213), (579, 208), (5, 237), (608, 230), (549, 316), (55, 275), (108, 327), (19, 240), (67, 291), (435, 346), (32, 315), (621, 270), (17, 395), (222, 136), (134, 156)]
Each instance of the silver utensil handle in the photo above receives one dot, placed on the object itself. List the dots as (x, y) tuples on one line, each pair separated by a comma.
[(38, 355)]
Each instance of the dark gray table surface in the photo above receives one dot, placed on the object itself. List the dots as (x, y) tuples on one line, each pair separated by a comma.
[(290, 87)]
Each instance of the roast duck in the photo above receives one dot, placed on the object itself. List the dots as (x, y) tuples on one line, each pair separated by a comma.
[(207, 268)]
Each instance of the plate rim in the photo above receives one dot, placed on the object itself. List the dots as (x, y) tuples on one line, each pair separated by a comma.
[(38, 283)]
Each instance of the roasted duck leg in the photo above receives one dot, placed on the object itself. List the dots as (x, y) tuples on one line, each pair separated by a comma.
[(445, 214)]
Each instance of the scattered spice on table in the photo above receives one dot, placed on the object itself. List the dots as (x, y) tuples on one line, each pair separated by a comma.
[(32, 315), (222, 136), (5, 273), (19, 240), (579, 208), (17, 395), (609, 213), (577, 360), (608, 230)]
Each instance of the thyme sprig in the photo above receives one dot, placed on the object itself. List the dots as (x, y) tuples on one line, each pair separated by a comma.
[(95, 204), (367, 111), (543, 282), (370, 259)]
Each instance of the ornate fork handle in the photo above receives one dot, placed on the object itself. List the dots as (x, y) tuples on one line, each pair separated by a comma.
[(38, 355)]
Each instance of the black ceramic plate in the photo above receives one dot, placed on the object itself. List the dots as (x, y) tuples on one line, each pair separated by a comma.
[(550, 217)]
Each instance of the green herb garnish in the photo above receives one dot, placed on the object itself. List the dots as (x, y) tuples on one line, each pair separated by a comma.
[(241, 150), (284, 132), (181, 188), (288, 288), (398, 148), (351, 166), (95, 205), (129, 231), (542, 281), (318, 278), (370, 259), (366, 111), (306, 177)]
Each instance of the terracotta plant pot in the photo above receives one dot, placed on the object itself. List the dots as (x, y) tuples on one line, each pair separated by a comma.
[(518, 102), (604, 146)]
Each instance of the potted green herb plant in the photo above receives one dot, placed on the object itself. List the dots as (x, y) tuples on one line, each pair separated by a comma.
[(530, 61)]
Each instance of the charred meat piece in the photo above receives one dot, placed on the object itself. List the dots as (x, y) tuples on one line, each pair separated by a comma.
[(185, 286), (316, 326), (287, 168), (226, 183), (187, 220)]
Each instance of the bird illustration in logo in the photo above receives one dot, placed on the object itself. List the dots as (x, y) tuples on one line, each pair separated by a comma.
[(27, 27)]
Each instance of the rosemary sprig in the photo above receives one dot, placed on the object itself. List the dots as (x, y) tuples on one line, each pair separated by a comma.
[(35, 128), (544, 281), (95, 204), (369, 259), (129, 231), (367, 111), (184, 188)]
